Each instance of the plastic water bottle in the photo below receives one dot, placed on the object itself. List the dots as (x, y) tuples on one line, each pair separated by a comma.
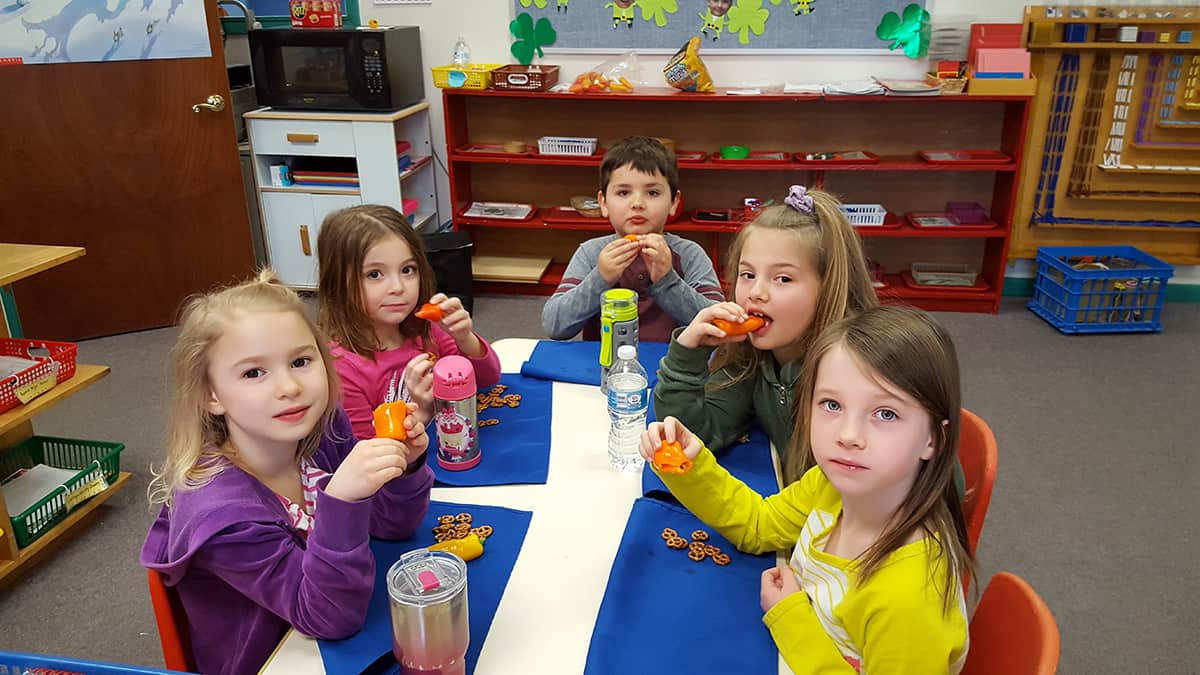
[(628, 399), (462, 53)]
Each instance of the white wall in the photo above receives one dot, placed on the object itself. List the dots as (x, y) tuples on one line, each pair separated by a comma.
[(485, 25)]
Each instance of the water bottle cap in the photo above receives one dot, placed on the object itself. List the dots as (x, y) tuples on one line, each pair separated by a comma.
[(627, 352)]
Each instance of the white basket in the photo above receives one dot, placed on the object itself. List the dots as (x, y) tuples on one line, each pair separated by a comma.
[(566, 145), (865, 214)]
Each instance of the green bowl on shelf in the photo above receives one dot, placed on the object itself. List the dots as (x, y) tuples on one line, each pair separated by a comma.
[(734, 152)]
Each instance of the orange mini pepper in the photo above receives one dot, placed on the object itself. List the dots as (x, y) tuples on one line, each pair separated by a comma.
[(632, 237), (468, 548), (748, 326), (430, 312), (389, 420), (669, 458)]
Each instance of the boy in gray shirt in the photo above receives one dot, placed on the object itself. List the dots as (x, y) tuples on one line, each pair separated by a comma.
[(673, 276)]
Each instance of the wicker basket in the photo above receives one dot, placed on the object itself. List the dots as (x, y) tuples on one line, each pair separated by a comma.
[(516, 77), (566, 145)]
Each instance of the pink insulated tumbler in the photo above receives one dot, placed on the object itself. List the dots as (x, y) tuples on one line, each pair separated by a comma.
[(454, 413)]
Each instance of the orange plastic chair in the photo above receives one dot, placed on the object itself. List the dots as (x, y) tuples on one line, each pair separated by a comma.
[(172, 625), (977, 454), (1012, 632)]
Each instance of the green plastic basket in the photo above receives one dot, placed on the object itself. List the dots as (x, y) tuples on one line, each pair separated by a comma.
[(94, 460)]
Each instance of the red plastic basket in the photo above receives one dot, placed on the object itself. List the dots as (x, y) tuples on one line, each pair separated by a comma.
[(60, 353)]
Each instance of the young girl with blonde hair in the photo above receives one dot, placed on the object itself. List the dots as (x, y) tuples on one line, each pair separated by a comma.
[(268, 501), (374, 276), (874, 583), (800, 267)]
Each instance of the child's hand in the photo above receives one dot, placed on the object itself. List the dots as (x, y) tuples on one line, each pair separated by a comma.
[(701, 332), (615, 257), (369, 465), (457, 323), (657, 255), (777, 584), (418, 379), (416, 440), (670, 430)]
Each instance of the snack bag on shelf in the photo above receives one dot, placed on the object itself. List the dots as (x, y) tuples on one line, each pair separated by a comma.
[(618, 74), (686, 71)]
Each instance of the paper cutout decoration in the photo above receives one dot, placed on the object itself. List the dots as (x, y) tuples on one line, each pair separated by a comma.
[(910, 32), (541, 4), (657, 10), (530, 37), (748, 16), (799, 6)]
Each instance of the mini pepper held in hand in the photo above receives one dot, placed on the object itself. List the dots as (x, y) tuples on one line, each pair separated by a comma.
[(430, 312), (750, 325), (669, 458), (468, 548), (389, 420)]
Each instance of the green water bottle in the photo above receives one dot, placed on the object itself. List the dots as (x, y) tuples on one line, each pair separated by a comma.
[(618, 326)]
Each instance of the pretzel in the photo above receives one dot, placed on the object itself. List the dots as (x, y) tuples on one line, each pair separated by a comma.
[(721, 559), (678, 543), (697, 547), (711, 550), (462, 518), (668, 532), (488, 422), (697, 556), (699, 535), (484, 530), (446, 519)]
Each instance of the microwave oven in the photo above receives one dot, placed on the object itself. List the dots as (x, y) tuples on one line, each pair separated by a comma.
[(369, 69)]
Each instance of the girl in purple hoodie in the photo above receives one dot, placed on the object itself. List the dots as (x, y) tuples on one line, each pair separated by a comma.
[(268, 500)]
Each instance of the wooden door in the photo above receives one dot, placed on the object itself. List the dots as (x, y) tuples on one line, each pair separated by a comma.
[(111, 157)]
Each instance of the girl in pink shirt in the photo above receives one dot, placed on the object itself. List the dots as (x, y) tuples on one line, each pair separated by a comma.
[(374, 276)]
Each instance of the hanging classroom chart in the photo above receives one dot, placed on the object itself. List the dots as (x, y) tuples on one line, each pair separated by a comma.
[(724, 25), (73, 31)]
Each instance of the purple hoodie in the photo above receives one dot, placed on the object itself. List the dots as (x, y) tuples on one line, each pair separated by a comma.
[(244, 574)]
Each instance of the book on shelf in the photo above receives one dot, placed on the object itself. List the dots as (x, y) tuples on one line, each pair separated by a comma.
[(926, 87)]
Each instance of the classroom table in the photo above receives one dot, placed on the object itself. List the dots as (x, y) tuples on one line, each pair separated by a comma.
[(544, 621)]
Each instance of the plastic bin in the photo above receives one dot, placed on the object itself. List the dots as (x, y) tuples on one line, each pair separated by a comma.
[(516, 77), (473, 76), (23, 386), (16, 663), (98, 465), (1100, 289), (865, 214), (566, 145)]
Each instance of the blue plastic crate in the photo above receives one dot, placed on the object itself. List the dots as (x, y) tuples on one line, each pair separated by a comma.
[(1100, 289), (16, 663)]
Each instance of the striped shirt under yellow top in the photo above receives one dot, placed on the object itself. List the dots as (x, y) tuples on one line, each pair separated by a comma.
[(894, 623)]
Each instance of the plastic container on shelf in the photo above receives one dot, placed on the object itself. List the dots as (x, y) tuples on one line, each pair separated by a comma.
[(566, 145), (516, 77), (1100, 289), (57, 365), (865, 214), (473, 76)]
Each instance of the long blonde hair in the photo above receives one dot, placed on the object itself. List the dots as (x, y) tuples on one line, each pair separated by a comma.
[(835, 251), (908, 349), (197, 440), (346, 237)]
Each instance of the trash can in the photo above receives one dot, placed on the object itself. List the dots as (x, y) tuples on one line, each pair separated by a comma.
[(450, 256)]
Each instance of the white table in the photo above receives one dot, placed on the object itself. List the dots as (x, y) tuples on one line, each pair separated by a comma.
[(545, 618)]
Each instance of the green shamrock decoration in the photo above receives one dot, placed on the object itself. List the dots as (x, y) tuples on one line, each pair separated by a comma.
[(530, 38), (541, 4), (911, 32), (748, 16), (658, 9)]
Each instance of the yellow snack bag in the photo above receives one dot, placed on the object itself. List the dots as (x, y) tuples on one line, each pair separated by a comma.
[(686, 71)]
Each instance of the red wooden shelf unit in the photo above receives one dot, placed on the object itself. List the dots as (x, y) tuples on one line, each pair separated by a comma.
[(896, 129)]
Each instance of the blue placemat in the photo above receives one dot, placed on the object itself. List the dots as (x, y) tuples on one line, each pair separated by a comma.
[(579, 361), (517, 448), (663, 613), (486, 578), (749, 461)]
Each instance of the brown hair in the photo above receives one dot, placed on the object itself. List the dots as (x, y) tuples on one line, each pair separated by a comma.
[(644, 154), (196, 438), (913, 353), (345, 238), (836, 254)]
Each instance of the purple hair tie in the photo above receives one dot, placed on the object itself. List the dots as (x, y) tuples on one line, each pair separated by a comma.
[(799, 199)]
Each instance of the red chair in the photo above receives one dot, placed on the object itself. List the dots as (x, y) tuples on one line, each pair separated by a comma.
[(1012, 632), (977, 454), (172, 625)]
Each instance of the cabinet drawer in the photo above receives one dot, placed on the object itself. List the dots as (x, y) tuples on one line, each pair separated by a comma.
[(301, 137)]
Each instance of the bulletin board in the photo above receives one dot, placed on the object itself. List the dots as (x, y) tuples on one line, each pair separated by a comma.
[(742, 26)]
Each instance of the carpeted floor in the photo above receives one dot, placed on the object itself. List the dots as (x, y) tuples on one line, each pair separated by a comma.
[(1095, 500)]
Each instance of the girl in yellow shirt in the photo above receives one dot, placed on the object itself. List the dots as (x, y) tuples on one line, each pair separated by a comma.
[(873, 584)]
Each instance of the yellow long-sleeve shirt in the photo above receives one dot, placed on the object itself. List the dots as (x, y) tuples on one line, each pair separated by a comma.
[(894, 623)]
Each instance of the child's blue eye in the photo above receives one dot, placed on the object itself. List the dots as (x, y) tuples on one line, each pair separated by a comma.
[(253, 373), (887, 415), (829, 405), (302, 361)]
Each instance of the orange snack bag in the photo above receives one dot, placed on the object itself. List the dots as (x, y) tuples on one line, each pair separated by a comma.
[(748, 326), (430, 312), (389, 420), (669, 458)]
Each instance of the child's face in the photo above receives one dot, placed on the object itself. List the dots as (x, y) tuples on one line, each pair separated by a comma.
[(868, 436), (719, 7), (778, 281), (268, 380), (636, 202), (391, 283)]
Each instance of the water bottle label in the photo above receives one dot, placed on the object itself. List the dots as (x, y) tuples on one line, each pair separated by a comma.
[(627, 402)]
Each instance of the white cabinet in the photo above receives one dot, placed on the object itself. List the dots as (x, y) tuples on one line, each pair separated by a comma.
[(361, 149)]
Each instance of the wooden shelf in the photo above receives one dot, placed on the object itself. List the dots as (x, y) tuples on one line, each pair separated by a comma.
[(668, 94), (84, 376), (885, 164), (46, 543), (1120, 46), (311, 189), (18, 261), (1037, 14)]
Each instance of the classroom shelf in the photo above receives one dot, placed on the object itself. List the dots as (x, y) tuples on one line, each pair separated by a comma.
[(308, 189), (18, 261), (84, 376), (885, 164)]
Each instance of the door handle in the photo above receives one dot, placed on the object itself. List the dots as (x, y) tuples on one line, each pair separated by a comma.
[(214, 103), (303, 138), (304, 244)]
